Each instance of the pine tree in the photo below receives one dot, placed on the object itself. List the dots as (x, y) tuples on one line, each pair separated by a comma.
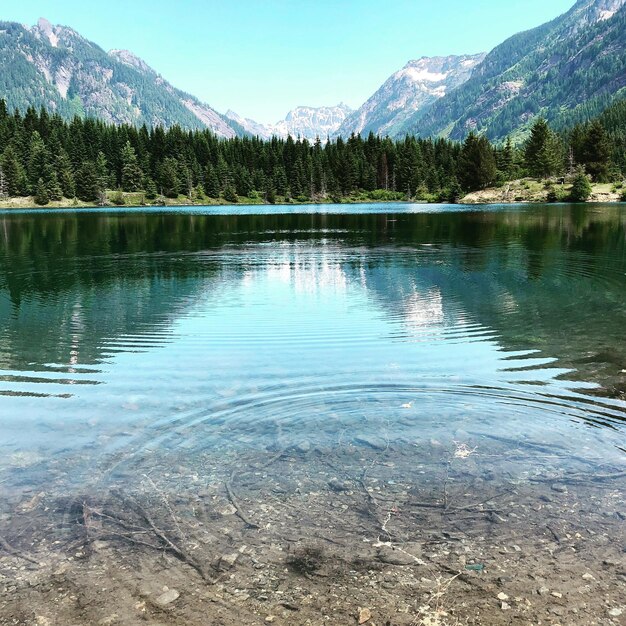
[(131, 172), (105, 180), (3, 184), (38, 162), (16, 180), (596, 152), (506, 163), (41, 193), (581, 187), (199, 193), (151, 189), (55, 192), (223, 172), (65, 175), (211, 182), (230, 195), (88, 184), (454, 192), (542, 152), (477, 163), (243, 182), (280, 181), (170, 182)]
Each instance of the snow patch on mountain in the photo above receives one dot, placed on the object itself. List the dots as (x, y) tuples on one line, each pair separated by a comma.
[(417, 85), (421, 75), (304, 122)]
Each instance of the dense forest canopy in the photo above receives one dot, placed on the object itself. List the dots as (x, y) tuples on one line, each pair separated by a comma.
[(42, 155)]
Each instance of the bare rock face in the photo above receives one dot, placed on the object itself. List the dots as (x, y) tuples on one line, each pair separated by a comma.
[(593, 11), (47, 30), (128, 58)]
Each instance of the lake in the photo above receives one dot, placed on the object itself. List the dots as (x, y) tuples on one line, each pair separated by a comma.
[(417, 407)]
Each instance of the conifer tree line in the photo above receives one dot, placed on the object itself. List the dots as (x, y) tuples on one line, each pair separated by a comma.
[(43, 156)]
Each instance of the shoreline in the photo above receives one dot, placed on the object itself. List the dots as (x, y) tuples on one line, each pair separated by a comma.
[(523, 191), (66, 207)]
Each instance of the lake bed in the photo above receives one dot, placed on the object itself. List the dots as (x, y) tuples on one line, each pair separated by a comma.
[(293, 417)]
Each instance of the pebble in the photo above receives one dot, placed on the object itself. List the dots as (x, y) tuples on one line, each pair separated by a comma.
[(372, 442), (588, 576), (303, 446), (559, 488), (167, 597), (505, 606), (543, 591), (338, 485), (502, 596), (228, 560), (365, 615), (394, 557), (615, 612), (556, 594), (229, 509)]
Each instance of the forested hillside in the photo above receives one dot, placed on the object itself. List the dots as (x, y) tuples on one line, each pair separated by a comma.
[(55, 67), (566, 71), (49, 158)]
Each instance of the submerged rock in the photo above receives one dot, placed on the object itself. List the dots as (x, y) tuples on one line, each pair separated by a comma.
[(338, 485), (167, 597), (373, 442)]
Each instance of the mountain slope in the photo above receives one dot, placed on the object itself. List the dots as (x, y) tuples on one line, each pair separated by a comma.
[(55, 67), (306, 122), (410, 90), (576, 62)]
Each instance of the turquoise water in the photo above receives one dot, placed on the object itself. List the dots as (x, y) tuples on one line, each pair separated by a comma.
[(133, 333)]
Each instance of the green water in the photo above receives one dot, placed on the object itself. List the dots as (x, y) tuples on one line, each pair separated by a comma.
[(136, 333)]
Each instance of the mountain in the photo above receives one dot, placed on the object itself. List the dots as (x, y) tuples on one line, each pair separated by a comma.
[(306, 122), (409, 91), (256, 129), (566, 70), (55, 67)]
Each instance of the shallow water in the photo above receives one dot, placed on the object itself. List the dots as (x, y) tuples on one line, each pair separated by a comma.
[(424, 392), (145, 331)]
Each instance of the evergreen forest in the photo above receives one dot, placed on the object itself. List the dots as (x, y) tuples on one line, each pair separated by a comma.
[(48, 158)]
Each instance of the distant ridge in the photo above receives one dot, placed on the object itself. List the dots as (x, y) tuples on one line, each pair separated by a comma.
[(305, 122), (57, 68), (570, 68), (411, 90)]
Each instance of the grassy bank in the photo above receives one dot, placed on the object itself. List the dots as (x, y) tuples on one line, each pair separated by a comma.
[(532, 190), (523, 190), (138, 199)]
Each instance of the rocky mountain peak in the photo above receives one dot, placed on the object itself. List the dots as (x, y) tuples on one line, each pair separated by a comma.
[(47, 30), (303, 121), (417, 85), (71, 76), (593, 11), (132, 60), (586, 13)]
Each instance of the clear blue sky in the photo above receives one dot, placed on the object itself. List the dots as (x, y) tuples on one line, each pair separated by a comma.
[(261, 58)]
